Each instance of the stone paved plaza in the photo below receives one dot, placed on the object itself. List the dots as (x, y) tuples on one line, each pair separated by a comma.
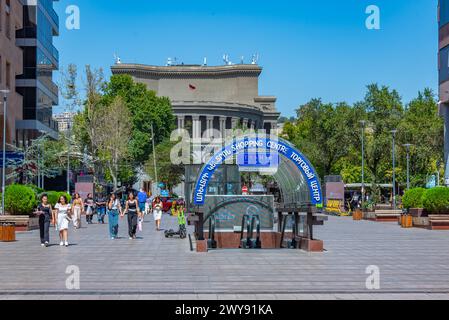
[(414, 264)]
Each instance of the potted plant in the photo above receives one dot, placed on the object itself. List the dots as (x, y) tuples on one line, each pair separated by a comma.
[(436, 200), (413, 201), (20, 202)]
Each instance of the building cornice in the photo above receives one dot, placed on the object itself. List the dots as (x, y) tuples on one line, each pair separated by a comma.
[(186, 70), (206, 107), (265, 99)]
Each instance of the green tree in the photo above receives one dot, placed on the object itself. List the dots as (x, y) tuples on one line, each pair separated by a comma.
[(168, 173), (113, 138), (146, 109), (423, 128), (384, 111), (323, 132)]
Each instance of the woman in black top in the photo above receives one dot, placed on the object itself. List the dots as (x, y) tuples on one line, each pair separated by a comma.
[(46, 217), (132, 208)]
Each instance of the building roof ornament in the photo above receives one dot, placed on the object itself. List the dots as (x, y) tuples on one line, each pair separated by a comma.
[(187, 70)]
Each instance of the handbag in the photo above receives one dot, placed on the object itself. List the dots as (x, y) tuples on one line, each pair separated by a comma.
[(139, 225)]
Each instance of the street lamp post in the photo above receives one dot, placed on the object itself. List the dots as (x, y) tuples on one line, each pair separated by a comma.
[(407, 147), (393, 132), (363, 123), (5, 100), (38, 166), (154, 160), (68, 158)]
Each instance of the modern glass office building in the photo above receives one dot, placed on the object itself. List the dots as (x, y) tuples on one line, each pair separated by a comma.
[(40, 59)]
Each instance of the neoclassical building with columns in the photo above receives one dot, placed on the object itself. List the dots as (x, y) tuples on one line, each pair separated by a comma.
[(209, 97)]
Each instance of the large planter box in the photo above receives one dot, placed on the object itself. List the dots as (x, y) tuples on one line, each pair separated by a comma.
[(421, 222), (22, 223), (418, 212), (369, 216)]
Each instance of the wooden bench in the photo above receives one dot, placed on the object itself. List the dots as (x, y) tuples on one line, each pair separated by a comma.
[(387, 215), (439, 222), (336, 206)]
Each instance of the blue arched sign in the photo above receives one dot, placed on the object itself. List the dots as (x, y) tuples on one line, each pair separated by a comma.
[(269, 145)]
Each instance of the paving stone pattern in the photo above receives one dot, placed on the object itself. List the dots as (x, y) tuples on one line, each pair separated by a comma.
[(413, 263)]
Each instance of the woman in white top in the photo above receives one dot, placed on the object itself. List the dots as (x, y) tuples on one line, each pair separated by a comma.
[(63, 218), (157, 212)]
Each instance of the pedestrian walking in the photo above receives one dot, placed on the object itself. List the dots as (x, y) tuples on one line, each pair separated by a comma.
[(114, 211), (101, 208), (134, 213), (77, 210), (46, 217), (142, 198), (63, 218), (89, 208), (149, 204), (157, 212)]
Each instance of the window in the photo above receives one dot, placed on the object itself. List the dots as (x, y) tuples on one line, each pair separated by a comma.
[(8, 75), (8, 19), (444, 65)]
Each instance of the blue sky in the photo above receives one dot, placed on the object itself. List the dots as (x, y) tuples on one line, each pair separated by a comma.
[(308, 48)]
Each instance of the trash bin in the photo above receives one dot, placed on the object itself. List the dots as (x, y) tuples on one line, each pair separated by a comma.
[(7, 232)]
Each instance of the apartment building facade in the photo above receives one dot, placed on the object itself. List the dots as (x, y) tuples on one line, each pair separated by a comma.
[(443, 75), (11, 66), (40, 60)]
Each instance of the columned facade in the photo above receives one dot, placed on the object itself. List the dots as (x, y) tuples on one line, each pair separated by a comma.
[(216, 98)]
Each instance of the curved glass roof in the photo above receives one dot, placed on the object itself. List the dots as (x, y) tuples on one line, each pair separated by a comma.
[(291, 182)]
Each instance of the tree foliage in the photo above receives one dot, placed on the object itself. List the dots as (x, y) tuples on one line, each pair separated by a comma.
[(168, 173), (330, 136), (115, 125), (146, 109)]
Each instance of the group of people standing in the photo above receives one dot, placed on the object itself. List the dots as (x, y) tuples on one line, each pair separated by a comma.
[(63, 213)]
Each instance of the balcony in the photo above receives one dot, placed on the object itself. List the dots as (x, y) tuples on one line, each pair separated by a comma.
[(47, 7)]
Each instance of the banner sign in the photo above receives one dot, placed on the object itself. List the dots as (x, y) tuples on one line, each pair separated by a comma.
[(262, 145), (258, 161), (11, 157)]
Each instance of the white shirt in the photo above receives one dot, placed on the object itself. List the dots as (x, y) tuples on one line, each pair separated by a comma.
[(62, 209), (116, 204)]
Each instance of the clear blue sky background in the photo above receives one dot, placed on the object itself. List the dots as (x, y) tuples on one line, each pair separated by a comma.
[(308, 48)]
